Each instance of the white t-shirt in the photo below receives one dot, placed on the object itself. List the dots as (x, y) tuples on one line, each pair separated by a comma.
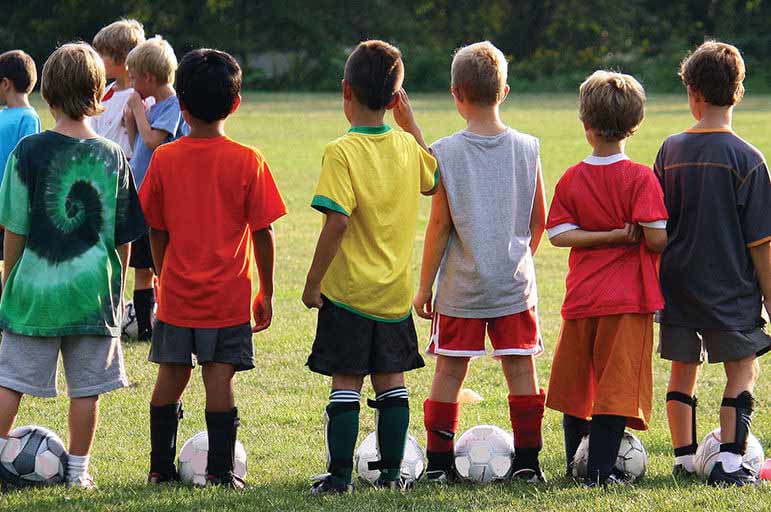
[(109, 124)]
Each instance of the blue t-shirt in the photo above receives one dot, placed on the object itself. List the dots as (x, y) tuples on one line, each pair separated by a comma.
[(15, 124), (166, 116)]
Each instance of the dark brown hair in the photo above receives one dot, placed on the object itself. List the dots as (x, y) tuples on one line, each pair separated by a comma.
[(19, 68), (374, 71), (717, 71), (73, 80), (612, 104)]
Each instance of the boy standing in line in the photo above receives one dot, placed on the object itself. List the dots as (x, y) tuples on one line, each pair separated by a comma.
[(369, 190), (207, 187), (70, 209), (151, 66), (602, 364), (484, 256), (716, 269)]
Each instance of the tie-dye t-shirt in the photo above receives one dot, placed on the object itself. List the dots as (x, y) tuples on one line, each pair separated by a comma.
[(75, 201)]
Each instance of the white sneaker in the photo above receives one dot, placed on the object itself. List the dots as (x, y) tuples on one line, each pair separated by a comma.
[(84, 481)]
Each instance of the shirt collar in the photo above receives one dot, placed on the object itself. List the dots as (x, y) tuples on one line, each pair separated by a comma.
[(370, 130), (605, 160)]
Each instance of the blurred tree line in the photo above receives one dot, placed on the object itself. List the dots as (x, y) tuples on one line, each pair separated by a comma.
[(552, 44)]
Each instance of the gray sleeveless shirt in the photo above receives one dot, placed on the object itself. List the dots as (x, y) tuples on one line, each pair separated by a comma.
[(487, 269)]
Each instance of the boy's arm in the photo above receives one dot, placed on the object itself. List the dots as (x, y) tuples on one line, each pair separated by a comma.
[(264, 254), (124, 253), (329, 243), (405, 118), (437, 235), (151, 137), (538, 216), (761, 259), (655, 238), (13, 246), (628, 235), (130, 124), (159, 240)]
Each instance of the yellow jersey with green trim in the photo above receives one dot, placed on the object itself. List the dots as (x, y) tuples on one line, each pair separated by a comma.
[(374, 176)]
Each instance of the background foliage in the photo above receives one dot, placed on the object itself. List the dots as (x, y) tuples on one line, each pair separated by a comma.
[(551, 43)]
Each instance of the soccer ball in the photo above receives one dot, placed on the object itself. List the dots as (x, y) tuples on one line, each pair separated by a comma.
[(413, 463), (129, 326), (484, 453), (709, 451), (193, 459), (33, 456), (632, 459)]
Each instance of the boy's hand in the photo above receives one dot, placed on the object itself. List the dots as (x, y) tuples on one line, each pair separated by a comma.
[(423, 304), (128, 117), (135, 101), (628, 235), (262, 309), (403, 114), (312, 296)]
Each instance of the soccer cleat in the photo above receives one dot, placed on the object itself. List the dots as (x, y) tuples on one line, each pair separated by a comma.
[(441, 476), (718, 477), (529, 475), (324, 485), (615, 478), (229, 481), (679, 471), (400, 484), (84, 481), (155, 478)]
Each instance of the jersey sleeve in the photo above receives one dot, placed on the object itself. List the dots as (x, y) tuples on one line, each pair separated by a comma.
[(754, 196), (129, 221), (334, 191), (14, 196), (560, 219), (264, 204), (151, 195), (648, 209), (168, 119), (29, 125), (429, 171)]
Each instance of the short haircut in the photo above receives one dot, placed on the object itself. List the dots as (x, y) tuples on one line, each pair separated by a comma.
[(612, 104), (374, 71), (19, 68), (73, 80), (479, 72), (208, 84), (118, 38), (717, 71), (156, 57)]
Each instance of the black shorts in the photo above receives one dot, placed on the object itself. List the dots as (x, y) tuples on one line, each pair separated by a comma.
[(186, 345), (141, 257), (688, 345), (350, 344)]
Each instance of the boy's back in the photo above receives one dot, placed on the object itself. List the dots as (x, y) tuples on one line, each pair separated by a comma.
[(717, 194), (208, 193), (374, 175), (15, 124), (490, 183)]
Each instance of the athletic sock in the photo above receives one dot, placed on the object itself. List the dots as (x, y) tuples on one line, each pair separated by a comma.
[(77, 466), (687, 461), (731, 461), (222, 428), (441, 421), (393, 420), (144, 304), (342, 428), (574, 429), (526, 414), (604, 442), (164, 422)]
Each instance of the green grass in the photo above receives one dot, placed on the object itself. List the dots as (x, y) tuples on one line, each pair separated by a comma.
[(281, 402)]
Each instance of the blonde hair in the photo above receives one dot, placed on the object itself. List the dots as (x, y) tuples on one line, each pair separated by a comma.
[(117, 39), (479, 72), (156, 57), (612, 104), (73, 80)]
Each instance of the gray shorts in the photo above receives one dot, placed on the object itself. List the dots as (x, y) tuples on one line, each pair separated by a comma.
[(93, 365), (688, 345), (186, 345)]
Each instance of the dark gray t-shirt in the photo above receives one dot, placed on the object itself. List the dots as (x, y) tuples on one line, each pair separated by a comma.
[(487, 270), (717, 191)]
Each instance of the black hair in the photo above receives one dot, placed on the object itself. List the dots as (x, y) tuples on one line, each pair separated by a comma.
[(208, 84), (374, 71)]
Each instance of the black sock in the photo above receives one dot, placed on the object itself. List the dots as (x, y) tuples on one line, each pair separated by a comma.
[(164, 421), (144, 304), (222, 428), (604, 442), (575, 429)]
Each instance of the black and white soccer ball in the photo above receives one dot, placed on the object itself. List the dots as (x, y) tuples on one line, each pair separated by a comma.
[(33, 456), (484, 454), (129, 326), (632, 459), (194, 458), (708, 453), (413, 461)]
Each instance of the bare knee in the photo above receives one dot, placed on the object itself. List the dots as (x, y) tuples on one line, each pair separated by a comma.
[(385, 381), (454, 368), (345, 381), (683, 377)]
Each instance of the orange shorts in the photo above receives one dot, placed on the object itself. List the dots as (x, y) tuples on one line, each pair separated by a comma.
[(602, 365), (511, 335)]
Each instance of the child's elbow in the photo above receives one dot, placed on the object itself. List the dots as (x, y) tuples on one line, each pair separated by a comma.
[(656, 244)]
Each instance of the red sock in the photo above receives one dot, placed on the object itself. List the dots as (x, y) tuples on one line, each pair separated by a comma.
[(526, 413), (441, 420)]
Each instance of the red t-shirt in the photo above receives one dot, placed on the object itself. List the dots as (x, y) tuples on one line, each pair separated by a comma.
[(601, 194), (209, 195)]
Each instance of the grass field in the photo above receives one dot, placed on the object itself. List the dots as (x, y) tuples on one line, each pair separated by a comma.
[(281, 402)]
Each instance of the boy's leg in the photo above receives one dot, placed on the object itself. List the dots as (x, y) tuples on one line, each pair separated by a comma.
[(393, 421), (604, 441), (441, 412), (221, 422), (681, 413), (144, 302), (9, 407), (83, 418), (341, 419), (165, 413), (574, 430)]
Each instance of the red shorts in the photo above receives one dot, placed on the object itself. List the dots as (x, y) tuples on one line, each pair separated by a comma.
[(512, 335)]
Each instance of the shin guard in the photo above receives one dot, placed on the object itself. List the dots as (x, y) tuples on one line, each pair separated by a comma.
[(691, 401), (744, 405)]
